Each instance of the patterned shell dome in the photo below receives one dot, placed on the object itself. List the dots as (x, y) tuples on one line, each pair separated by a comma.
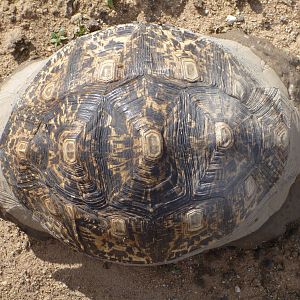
[(144, 144)]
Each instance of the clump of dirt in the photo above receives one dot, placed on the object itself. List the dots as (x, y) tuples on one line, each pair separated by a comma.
[(16, 44), (31, 269)]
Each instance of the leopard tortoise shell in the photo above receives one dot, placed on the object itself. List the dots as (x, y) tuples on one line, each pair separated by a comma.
[(146, 144)]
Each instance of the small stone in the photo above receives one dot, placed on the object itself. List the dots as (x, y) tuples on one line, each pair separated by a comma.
[(5, 5), (293, 35), (12, 39), (99, 13), (28, 11), (198, 3), (77, 18), (12, 10), (237, 289), (12, 18), (55, 12), (283, 20), (69, 7), (206, 11), (240, 19), (93, 25), (231, 19), (266, 24), (141, 17)]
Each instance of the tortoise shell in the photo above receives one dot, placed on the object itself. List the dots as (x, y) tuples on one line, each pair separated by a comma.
[(145, 144)]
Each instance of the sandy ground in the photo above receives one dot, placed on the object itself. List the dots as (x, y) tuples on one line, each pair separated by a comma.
[(31, 269)]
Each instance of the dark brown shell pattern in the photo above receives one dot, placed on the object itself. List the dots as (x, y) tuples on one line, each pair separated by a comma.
[(143, 143)]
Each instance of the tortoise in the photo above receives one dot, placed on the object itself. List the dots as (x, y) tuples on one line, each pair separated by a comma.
[(145, 144)]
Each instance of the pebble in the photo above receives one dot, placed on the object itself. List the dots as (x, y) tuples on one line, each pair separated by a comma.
[(93, 25), (231, 19), (5, 5), (76, 19), (198, 3), (240, 19), (68, 6), (283, 20), (237, 289), (28, 11), (98, 13), (12, 39), (55, 12)]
